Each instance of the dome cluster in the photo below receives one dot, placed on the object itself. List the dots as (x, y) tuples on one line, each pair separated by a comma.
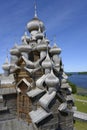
[(48, 87)]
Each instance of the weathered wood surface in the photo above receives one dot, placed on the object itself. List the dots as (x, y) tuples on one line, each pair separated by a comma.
[(80, 116), (15, 124), (8, 90), (9, 102)]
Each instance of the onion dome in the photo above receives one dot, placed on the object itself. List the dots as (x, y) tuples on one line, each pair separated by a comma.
[(47, 63), (24, 47), (55, 50), (51, 80), (34, 24), (42, 46), (6, 67), (40, 81), (15, 51)]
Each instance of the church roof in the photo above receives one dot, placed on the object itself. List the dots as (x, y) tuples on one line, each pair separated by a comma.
[(7, 79), (47, 99), (8, 90), (39, 115), (35, 92)]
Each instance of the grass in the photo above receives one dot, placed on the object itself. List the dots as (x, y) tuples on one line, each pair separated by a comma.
[(79, 125), (80, 97), (81, 106), (81, 91)]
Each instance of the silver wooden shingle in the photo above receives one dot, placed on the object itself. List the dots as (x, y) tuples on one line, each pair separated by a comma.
[(35, 92), (46, 99), (39, 115)]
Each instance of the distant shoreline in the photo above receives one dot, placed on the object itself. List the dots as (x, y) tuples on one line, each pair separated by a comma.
[(71, 73), (85, 72)]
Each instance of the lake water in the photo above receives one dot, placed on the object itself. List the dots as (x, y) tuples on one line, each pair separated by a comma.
[(79, 79)]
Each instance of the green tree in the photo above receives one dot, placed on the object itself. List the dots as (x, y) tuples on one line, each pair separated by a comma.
[(73, 86)]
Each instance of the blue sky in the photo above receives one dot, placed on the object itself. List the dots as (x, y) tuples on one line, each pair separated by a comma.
[(65, 19)]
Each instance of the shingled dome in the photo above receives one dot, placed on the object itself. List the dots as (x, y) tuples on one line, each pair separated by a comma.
[(34, 24)]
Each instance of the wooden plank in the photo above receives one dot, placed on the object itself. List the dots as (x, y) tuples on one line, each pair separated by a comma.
[(80, 116)]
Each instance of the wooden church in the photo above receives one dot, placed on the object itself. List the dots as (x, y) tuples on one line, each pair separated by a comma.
[(38, 93)]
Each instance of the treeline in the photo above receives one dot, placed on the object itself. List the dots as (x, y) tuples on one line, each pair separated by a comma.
[(85, 72), (69, 74)]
